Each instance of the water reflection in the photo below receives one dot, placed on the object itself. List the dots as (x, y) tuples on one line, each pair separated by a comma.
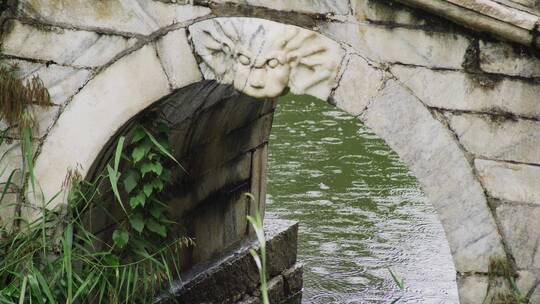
[(360, 210)]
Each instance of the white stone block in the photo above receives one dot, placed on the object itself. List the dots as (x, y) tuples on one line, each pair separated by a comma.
[(433, 156), (497, 137), (107, 102), (63, 46), (401, 45), (521, 228), (460, 91), (359, 84), (177, 59), (122, 16), (510, 182), (338, 7), (503, 58)]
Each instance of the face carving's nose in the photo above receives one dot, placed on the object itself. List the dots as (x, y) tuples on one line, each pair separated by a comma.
[(257, 78)]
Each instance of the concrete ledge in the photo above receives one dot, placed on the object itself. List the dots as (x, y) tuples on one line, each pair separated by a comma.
[(233, 278)]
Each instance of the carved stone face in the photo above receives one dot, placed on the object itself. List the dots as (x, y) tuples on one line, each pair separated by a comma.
[(261, 58)]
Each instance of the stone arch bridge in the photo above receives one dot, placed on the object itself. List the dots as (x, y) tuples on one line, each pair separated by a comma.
[(451, 85)]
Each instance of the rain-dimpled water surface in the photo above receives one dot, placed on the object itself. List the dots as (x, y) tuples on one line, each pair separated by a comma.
[(360, 210)]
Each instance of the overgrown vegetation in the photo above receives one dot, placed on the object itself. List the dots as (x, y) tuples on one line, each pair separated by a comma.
[(17, 95), (57, 258), (500, 270)]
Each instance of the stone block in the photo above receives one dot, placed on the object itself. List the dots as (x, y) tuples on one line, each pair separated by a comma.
[(496, 137), (434, 157), (387, 12), (472, 289), (461, 91), (510, 182), (233, 274), (520, 226), (188, 192), (294, 279), (359, 84), (120, 16), (8, 207), (282, 247), (259, 164), (62, 46), (276, 289), (11, 161), (338, 7), (401, 45), (502, 58), (177, 59), (108, 101), (62, 82), (222, 150)]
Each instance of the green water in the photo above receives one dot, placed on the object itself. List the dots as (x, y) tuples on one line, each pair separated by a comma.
[(361, 212)]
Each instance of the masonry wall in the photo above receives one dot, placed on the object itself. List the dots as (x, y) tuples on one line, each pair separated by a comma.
[(460, 107)]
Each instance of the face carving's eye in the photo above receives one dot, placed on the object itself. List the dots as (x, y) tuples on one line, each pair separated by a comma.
[(226, 48), (244, 59), (273, 63)]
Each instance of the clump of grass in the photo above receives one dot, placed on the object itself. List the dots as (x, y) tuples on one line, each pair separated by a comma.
[(260, 258), (16, 95), (500, 268)]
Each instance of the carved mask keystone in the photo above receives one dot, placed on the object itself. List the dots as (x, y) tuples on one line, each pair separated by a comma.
[(262, 58)]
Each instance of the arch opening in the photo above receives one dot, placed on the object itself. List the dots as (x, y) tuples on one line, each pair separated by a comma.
[(361, 211)]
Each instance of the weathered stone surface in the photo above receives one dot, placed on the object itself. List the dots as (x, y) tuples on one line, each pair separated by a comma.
[(520, 227), (512, 182), (498, 138), (8, 207), (62, 46), (259, 165), (106, 103), (123, 16), (44, 118), (435, 159), (61, 82), (461, 91), (261, 58), (11, 161), (472, 289), (527, 283), (294, 279), (276, 289), (234, 274), (307, 6), (501, 58), (281, 253), (385, 11), (177, 59), (401, 45), (358, 86)]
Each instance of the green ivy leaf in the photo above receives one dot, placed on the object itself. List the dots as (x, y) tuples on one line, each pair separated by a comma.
[(157, 184), (138, 200), (157, 168), (131, 180), (138, 153), (120, 238), (148, 189), (111, 260), (156, 211), (137, 222), (139, 134), (146, 168), (156, 228)]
